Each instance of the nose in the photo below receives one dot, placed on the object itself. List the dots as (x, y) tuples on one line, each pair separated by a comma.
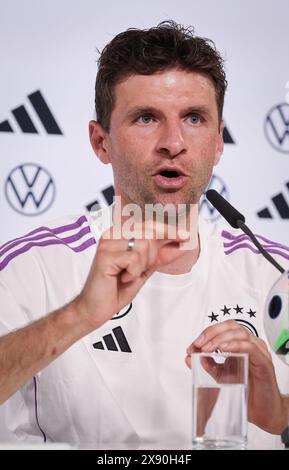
[(171, 141)]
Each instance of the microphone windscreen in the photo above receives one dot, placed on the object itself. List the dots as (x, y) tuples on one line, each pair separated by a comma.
[(224, 207)]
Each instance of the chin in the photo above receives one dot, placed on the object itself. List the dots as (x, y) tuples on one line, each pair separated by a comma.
[(174, 199)]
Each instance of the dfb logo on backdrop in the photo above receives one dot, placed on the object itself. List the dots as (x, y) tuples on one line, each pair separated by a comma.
[(30, 189), (277, 127), (206, 209)]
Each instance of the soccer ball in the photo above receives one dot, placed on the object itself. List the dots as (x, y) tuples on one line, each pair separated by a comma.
[(276, 319)]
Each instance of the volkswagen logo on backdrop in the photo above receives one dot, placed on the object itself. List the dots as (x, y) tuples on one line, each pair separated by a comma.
[(30, 189), (277, 127), (206, 209)]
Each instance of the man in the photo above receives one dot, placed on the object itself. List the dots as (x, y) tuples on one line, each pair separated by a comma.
[(109, 315)]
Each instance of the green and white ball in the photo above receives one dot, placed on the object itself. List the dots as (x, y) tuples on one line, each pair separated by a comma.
[(276, 320)]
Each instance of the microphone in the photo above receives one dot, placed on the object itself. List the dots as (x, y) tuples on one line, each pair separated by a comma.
[(237, 220)]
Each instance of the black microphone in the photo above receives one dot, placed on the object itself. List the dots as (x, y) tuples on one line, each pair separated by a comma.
[(237, 220)]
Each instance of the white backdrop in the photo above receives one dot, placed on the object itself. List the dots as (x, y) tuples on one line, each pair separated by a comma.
[(48, 50)]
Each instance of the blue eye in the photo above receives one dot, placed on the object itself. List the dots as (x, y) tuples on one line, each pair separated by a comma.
[(195, 119), (144, 119)]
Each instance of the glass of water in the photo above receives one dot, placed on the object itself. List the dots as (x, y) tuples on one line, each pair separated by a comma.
[(220, 418)]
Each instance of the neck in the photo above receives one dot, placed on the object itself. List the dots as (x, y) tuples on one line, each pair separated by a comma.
[(192, 248)]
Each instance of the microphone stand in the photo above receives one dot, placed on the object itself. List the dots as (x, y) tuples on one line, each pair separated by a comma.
[(250, 234)]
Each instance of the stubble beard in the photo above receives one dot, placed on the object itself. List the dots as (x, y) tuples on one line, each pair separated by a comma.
[(181, 205), (142, 192)]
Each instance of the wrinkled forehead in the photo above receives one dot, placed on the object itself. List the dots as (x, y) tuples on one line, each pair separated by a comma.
[(170, 87)]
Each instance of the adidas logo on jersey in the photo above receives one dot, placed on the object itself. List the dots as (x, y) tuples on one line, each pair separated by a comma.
[(114, 342)]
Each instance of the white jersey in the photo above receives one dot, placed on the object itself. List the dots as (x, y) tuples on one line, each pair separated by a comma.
[(127, 381)]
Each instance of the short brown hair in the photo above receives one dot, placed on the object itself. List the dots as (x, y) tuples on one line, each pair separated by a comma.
[(148, 51)]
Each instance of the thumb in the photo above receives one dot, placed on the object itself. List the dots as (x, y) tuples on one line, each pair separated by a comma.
[(169, 252), (172, 248)]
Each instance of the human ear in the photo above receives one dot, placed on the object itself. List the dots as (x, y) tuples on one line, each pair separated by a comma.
[(220, 144), (98, 141)]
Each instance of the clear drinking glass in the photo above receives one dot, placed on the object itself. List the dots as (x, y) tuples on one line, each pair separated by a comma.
[(220, 383)]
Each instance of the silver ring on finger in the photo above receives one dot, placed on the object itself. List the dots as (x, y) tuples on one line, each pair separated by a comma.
[(130, 244)]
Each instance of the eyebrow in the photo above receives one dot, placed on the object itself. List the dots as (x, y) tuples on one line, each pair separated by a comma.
[(204, 110), (142, 110)]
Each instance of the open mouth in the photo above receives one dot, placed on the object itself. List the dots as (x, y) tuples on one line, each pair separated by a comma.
[(171, 179), (170, 173)]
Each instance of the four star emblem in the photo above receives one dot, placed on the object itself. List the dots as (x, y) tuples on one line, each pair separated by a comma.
[(226, 310)]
